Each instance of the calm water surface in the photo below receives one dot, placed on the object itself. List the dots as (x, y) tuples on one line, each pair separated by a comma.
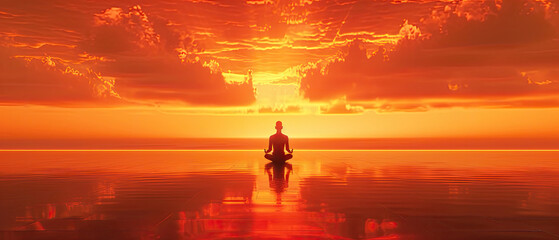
[(238, 195)]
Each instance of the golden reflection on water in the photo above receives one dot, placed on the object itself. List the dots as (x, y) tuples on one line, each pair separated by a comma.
[(317, 195)]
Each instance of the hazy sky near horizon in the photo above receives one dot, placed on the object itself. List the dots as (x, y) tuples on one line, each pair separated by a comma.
[(231, 68)]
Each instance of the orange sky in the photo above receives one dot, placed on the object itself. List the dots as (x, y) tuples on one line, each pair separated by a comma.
[(231, 68)]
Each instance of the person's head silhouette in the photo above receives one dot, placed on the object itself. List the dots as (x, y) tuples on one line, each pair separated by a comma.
[(279, 126)]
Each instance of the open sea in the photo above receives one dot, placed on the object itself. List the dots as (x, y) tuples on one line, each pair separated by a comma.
[(319, 194)]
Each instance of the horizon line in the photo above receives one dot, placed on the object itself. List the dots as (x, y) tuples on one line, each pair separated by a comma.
[(294, 137), (305, 150)]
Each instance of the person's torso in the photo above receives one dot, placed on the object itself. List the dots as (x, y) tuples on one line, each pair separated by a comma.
[(278, 142)]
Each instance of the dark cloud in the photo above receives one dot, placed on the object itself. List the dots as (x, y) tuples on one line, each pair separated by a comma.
[(52, 82), (483, 56), (148, 69), (149, 61), (166, 79)]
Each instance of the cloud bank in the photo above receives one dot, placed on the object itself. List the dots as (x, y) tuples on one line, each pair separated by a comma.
[(471, 53), (124, 55)]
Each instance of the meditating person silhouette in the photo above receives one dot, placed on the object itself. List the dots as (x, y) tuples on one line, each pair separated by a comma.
[(277, 142)]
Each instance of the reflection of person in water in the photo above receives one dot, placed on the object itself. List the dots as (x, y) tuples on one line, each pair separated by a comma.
[(278, 142), (279, 179)]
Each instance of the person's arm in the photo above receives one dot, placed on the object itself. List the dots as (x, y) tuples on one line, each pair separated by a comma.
[(269, 145), (287, 145)]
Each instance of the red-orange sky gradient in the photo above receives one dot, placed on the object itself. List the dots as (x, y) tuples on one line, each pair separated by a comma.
[(231, 68)]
